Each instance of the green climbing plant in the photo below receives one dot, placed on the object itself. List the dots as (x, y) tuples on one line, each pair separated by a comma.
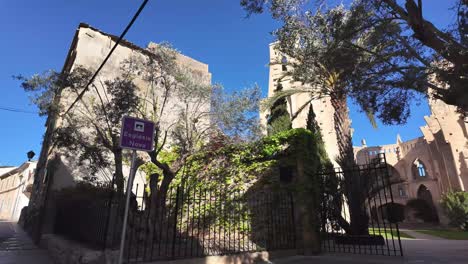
[(279, 119)]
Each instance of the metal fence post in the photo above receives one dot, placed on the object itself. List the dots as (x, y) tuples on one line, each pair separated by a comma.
[(109, 211), (175, 222)]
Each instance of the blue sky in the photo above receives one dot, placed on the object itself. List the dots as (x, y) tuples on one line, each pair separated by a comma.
[(36, 36)]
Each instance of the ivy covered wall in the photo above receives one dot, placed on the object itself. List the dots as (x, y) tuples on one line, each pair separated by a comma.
[(239, 167)]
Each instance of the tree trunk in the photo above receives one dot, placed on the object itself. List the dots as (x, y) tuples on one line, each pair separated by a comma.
[(353, 192), (342, 129), (119, 178), (158, 196), (157, 208)]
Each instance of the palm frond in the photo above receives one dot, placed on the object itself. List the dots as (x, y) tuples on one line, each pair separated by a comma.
[(270, 101), (370, 115), (299, 110)]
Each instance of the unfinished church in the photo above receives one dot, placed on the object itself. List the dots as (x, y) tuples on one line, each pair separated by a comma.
[(427, 167)]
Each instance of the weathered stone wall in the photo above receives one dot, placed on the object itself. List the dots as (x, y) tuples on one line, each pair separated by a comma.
[(65, 251), (447, 132), (88, 50)]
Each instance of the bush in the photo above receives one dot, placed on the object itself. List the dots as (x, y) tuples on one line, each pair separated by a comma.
[(394, 212), (455, 205), (423, 209)]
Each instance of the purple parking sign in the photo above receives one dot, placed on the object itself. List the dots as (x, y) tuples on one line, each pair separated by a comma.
[(137, 134)]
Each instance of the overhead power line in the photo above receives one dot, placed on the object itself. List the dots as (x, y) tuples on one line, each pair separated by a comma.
[(142, 6), (16, 110)]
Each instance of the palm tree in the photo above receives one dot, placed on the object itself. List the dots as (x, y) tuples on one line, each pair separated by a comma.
[(330, 86), (321, 65)]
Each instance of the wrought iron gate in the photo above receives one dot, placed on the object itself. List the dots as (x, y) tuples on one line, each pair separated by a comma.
[(357, 212), (199, 222)]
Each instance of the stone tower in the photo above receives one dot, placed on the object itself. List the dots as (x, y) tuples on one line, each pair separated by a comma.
[(322, 107)]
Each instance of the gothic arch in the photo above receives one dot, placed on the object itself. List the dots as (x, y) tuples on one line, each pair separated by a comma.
[(394, 174), (424, 194), (423, 206), (419, 169)]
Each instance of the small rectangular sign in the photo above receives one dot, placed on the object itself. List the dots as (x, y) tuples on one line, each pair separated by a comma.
[(137, 134)]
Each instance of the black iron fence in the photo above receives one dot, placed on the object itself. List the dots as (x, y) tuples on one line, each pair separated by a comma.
[(355, 217), (354, 201), (83, 214), (200, 222)]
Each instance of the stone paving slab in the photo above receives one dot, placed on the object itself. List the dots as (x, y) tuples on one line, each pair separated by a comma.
[(17, 248), (35, 256), (13, 238)]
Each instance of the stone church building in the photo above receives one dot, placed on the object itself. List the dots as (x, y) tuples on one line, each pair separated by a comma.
[(428, 166)]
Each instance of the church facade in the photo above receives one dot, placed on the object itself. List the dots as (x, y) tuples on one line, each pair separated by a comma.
[(428, 166)]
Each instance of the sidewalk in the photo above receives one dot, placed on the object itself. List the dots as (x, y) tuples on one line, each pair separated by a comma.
[(415, 251), (422, 236), (17, 248)]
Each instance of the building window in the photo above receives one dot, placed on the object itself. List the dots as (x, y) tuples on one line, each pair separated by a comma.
[(286, 174), (401, 191), (419, 169), (284, 61)]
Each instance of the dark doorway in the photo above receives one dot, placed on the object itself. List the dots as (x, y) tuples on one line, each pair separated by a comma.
[(423, 207)]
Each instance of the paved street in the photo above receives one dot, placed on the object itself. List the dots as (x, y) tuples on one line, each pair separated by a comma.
[(420, 236), (17, 248), (416, 251)]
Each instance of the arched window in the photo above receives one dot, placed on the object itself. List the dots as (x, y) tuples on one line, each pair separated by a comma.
[(419, 169)]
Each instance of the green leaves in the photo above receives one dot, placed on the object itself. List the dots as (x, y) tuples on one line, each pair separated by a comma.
[(376, 52), (236, 114), (43, 88), (241, 165), (455, 205)]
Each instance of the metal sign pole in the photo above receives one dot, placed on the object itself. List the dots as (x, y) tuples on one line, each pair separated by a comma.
[(136, 134), (127, 204)]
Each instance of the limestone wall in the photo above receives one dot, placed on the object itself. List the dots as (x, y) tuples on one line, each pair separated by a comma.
[(89, 48), (447, 132)]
